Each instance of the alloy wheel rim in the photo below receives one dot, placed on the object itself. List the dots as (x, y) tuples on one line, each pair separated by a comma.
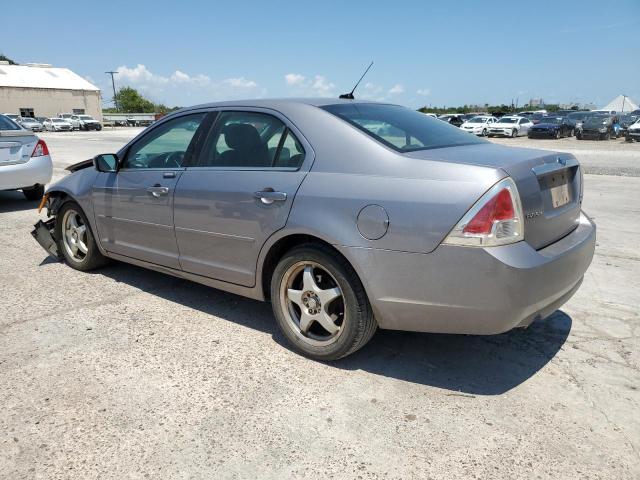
[(74, 236), (313, 303)]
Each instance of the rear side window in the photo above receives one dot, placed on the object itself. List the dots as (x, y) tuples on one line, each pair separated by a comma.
[(402, 129), (7, 124), (251, 140)]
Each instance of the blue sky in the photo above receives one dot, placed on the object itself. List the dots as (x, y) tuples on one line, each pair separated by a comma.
[(425, 52)]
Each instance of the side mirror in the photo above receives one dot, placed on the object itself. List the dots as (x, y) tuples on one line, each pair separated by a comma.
[(107, 162)]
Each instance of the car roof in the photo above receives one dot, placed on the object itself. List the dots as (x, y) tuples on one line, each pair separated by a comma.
[(276, 103)]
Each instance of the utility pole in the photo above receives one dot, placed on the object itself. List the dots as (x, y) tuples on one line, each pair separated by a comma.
[(624, 97), (113, 84)]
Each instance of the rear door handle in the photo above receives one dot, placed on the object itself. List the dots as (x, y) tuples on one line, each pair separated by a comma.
[(158, 191), (269, 196)]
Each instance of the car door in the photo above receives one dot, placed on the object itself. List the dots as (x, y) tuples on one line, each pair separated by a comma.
[(525, 124), (133, 207), (238, 192)]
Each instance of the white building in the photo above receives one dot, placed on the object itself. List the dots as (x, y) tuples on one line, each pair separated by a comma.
[(40, 90)]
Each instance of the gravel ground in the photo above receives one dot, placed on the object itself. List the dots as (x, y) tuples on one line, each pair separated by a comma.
[(127, 373)]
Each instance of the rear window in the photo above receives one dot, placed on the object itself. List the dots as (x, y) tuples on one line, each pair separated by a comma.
[(400, 128), (7, 124)]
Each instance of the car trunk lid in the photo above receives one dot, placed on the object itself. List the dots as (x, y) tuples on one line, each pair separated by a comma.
[(549, 184), (16, 146)]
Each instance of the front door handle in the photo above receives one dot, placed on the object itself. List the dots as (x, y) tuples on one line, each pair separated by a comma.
[(268, 196), (158, 191)]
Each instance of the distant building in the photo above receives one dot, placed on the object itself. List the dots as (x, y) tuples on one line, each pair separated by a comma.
[(40, 90), (536, 102)]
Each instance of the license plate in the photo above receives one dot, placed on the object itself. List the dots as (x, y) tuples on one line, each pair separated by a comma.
[(560, 195)]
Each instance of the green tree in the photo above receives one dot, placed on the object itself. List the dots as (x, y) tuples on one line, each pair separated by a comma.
[(129, 100)]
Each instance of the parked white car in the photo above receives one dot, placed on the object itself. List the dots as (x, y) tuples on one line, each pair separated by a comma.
[(25, 163), (510, 126), (633, 132), (479, 125), (73, 119), (57, 125), (87, 122)]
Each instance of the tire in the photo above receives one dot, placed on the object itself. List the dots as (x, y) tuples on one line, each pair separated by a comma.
[(514, 133), (34, 193), (572, 132), (98, 128), (312, 269), (578, 136), (558, 135), (484, 132), (83, 261), (607, 136)]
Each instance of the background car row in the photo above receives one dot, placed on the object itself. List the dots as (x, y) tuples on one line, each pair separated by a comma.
[(591, 125), (63, 122)]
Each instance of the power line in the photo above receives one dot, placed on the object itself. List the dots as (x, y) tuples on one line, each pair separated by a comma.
[(113, 84)]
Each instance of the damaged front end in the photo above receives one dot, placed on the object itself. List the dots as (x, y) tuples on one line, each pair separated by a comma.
[(44, 231), (44, 235)]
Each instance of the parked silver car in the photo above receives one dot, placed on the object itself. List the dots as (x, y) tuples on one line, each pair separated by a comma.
[(31, 124), (346, 215)]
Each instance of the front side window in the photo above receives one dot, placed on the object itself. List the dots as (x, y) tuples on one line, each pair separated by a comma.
[(7, 124), (251, 140), (166, 145), (402, 129)]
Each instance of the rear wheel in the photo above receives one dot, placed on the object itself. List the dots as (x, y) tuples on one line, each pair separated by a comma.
[(34, 193), (320, 304), (75, 239)]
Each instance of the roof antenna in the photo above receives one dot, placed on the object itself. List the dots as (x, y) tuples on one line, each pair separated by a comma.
[(349, 96)]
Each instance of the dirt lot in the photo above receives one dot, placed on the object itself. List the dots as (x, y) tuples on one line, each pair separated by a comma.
[(126, 373)]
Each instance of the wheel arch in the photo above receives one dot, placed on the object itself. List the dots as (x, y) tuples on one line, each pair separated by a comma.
[(279, 245)]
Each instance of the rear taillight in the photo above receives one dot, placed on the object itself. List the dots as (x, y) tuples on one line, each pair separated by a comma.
[(41, 149), (495, 219)]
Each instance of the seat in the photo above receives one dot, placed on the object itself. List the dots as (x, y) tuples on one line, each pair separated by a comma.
[(246, 147)]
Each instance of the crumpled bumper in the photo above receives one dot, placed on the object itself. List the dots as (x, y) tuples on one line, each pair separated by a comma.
[(43, 233)]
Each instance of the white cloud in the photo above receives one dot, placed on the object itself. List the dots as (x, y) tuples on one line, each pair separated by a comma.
[(181, 88), (241, 83), (424, 92), (294, 79), (321, 86), (396, 89)]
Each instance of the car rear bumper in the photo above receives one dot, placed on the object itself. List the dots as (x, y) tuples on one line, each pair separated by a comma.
[(38, 170), (473, 290)]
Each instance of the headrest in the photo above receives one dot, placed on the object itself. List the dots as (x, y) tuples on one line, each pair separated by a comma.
[(241, 136)]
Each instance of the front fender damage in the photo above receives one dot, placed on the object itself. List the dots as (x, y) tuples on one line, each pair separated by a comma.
[(44, 231)]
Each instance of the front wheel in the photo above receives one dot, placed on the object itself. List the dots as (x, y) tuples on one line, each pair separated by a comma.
[(484, 132), (75, 240), (514, 133), (558, 135), (320, 304)]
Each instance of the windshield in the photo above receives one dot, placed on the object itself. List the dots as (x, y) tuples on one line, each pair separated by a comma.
[(86, 117), (555, 120), (597, 120), (478, 120), (508, 120), (402, 129), (57, 120), (577, 115), (7, 124)]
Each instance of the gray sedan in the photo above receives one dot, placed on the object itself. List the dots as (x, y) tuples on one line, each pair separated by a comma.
[(348, 216)]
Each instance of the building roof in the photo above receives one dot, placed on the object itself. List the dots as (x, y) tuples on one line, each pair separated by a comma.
[(621, 104), (42, 76)]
